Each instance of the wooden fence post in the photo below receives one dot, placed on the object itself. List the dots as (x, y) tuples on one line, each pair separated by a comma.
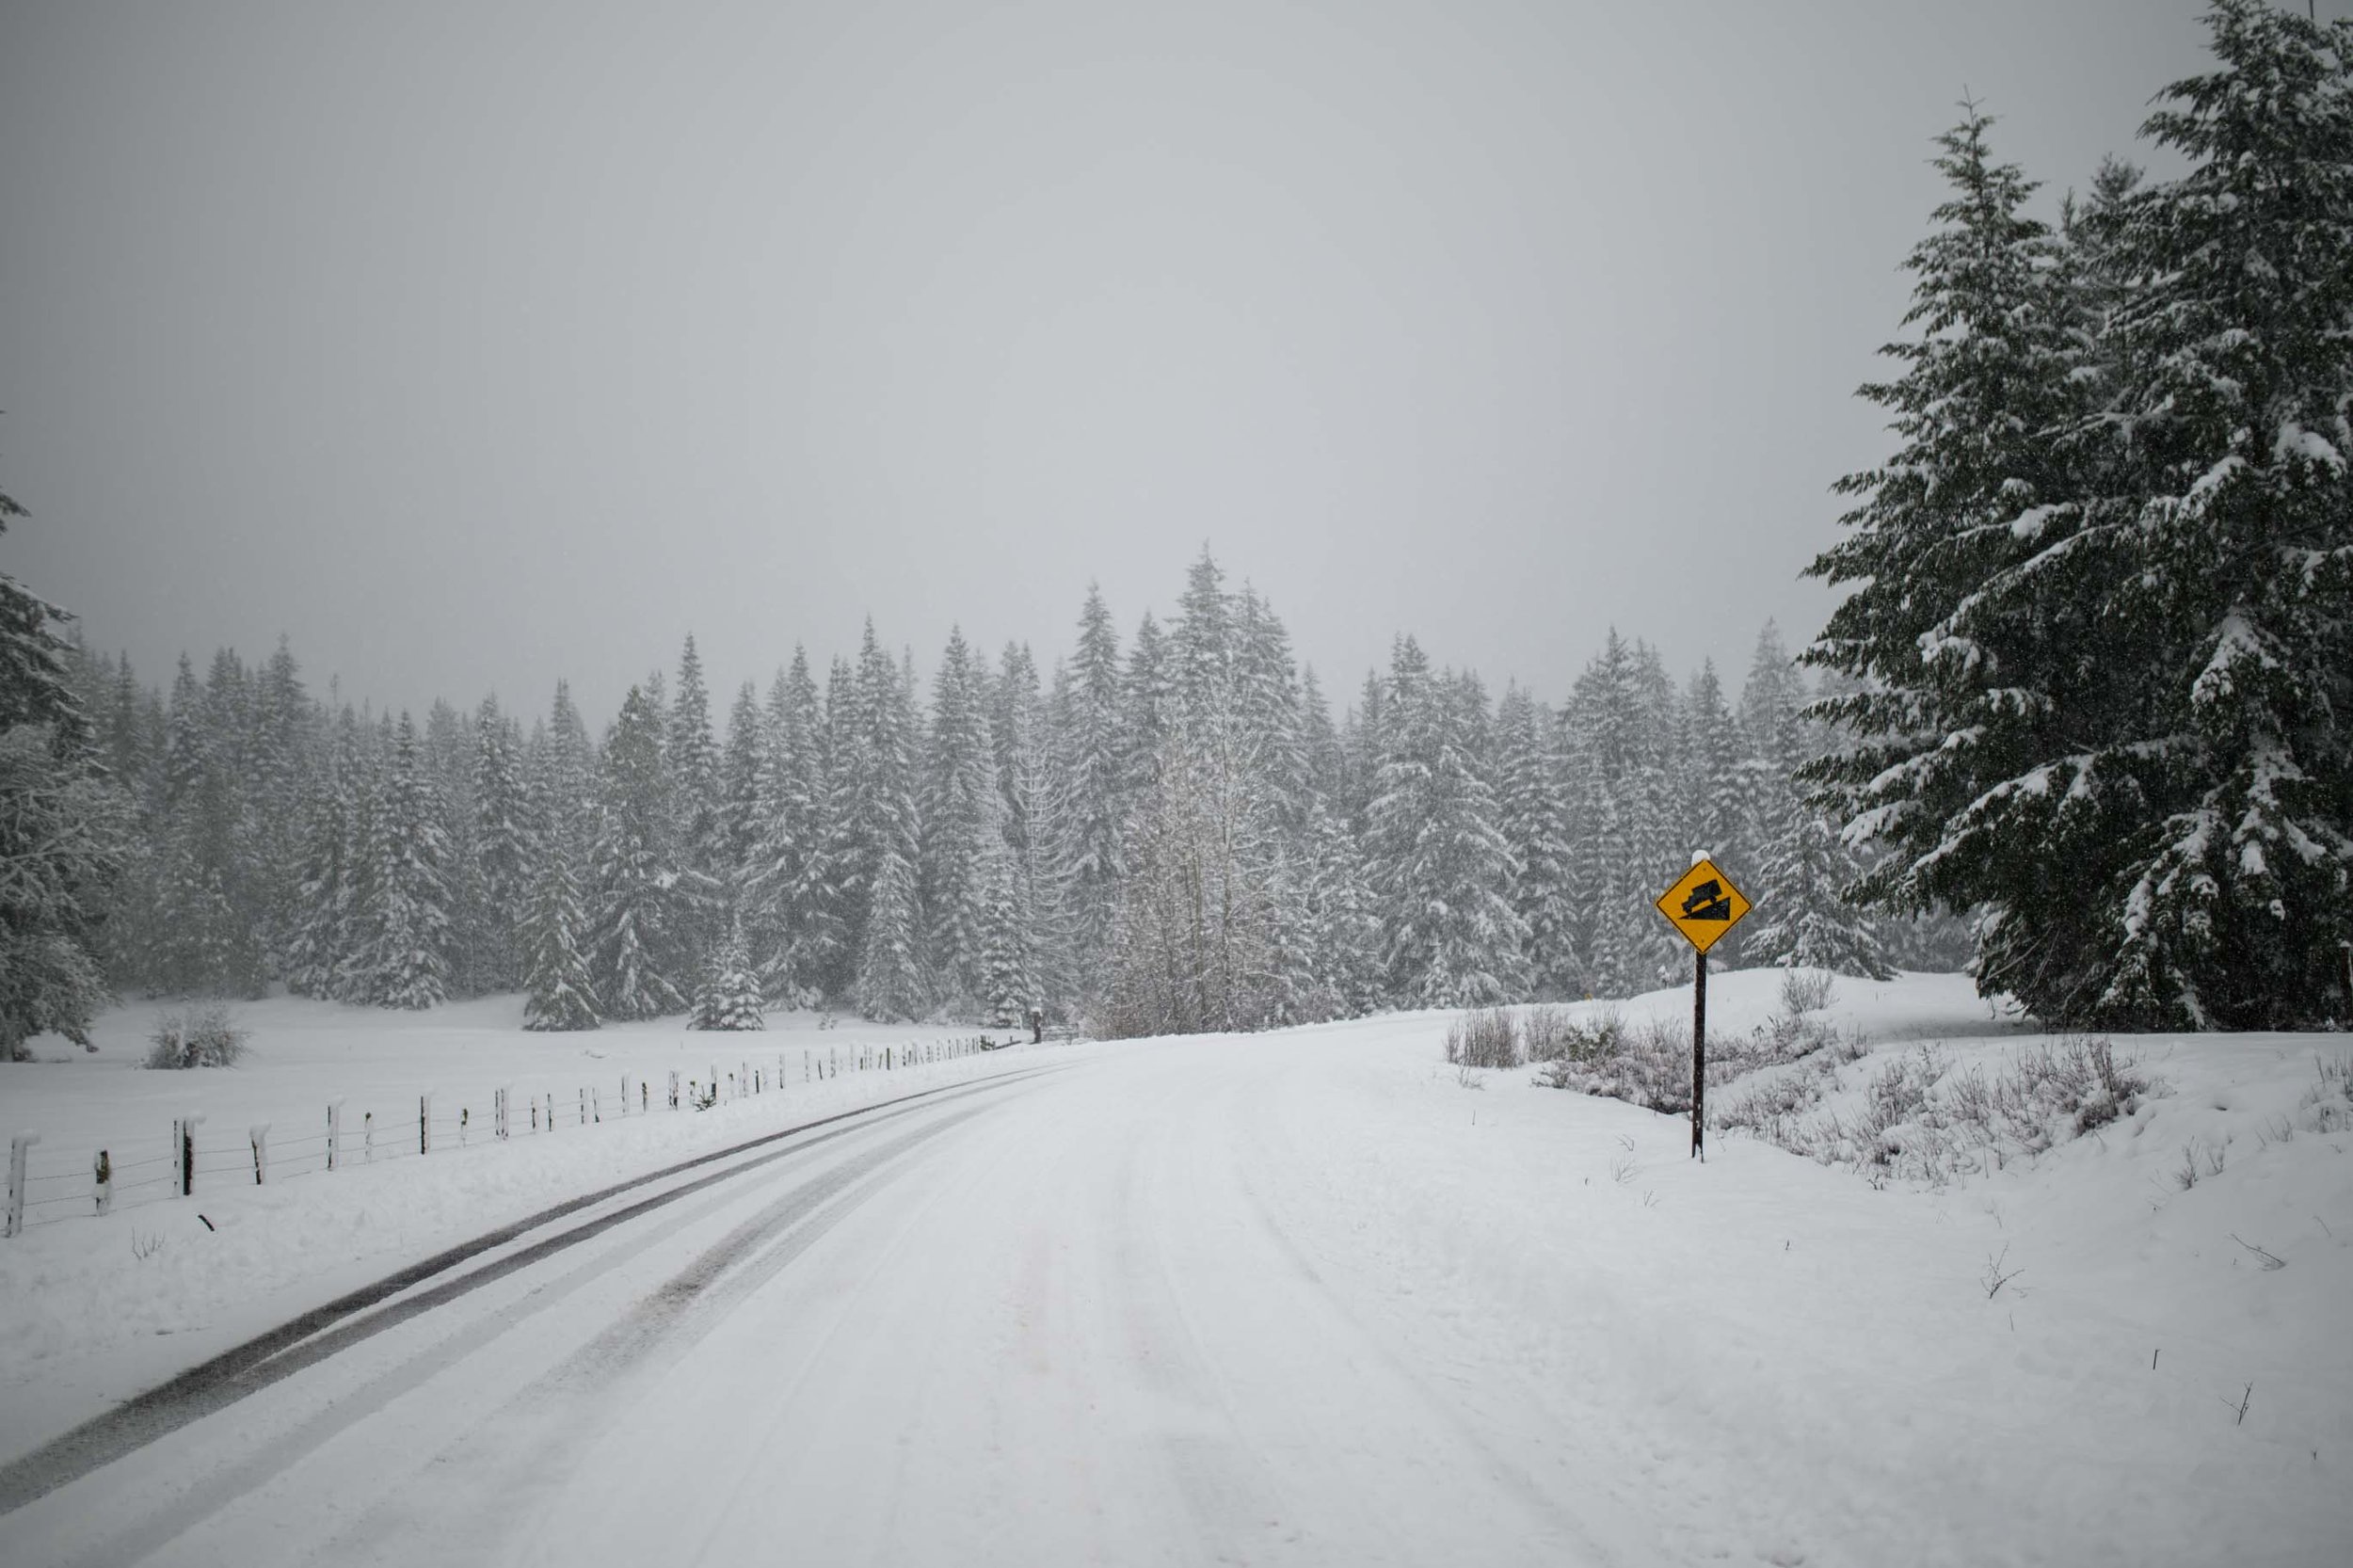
[(334, 1132), (258, 1135), (673, 1088), (187, 1154), (424, 1123), (18, 1146), (367, 1137), (104, 1176)]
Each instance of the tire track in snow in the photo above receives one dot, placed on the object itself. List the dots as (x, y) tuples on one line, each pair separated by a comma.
[(244, 1369), (488, 1486), (474, 1481)]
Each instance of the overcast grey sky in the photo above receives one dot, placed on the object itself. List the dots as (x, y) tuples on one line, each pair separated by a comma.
[(476, 344)]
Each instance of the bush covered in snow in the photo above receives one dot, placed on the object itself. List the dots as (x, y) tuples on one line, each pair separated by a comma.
[(1914, 1118), (1649, 1063), (203, 1036)]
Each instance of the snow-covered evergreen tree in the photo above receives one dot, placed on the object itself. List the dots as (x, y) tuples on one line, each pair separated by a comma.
[(1532, 811), (559, 994), (1090, 733), (60, 830), (500, 853), (1439, 862), (729, 997), (893, 977), (789, 885), (635, 947), (698, 820), (963, 821), (2101, 655), (409, 917)]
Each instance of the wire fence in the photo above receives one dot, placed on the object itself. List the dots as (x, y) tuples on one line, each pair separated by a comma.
[(50, 1183)]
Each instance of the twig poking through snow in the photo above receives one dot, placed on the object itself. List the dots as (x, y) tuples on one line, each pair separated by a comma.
[(2270, 1262), (1994, 1278)]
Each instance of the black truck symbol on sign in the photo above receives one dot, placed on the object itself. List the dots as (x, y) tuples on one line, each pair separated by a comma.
[(1707, 901)]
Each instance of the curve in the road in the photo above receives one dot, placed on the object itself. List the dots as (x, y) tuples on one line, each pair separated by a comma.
[(302, 1341)]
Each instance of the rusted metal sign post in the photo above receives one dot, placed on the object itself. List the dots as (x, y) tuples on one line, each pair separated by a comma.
[(1702, 905)]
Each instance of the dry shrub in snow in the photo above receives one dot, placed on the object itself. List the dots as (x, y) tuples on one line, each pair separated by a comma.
[(1920, 1120), (1807, 991), (2329, 1104), (1548, 1031), (1649, 1063), (1487, 1038), (203, 1036), (1646, 1064)]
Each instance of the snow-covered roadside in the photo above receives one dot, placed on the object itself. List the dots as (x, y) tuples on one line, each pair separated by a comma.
[(94, 1309), (1767, 1358)]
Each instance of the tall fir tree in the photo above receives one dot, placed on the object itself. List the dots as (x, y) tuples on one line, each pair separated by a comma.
[(408, 919), (636, 946)]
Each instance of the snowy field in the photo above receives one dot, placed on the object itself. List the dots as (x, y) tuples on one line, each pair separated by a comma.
[(1307, 1297)]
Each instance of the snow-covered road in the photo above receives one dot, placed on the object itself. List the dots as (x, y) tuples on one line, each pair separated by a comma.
[(1054, 1320), (1295, 1299)]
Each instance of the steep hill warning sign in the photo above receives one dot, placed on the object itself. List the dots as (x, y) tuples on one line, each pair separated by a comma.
[(1702, 905)]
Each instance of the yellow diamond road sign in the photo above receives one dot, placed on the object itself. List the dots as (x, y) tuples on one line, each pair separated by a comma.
[(1702, 905)]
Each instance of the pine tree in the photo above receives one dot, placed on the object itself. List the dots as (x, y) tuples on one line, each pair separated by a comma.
[(321, 935), (1092, 764), (501, 854), (1531, 812), (789, 883), (60, 830), (635, 947), (2101, 652), (559, 995), (1439, 863), (409, 964), (729, 996), (893, 979), (963, 821), (697, 825)]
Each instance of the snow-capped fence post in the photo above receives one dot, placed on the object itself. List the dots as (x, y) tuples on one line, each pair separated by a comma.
[(367, 1137), (596, 1106), (743, 1085), (18, 1148), (334, 1132), (102, 1180), (500, 1129), (258, 1135), (425, 1121), (673, 1088), (625, 1094), (714, 1083), (804, 1066)]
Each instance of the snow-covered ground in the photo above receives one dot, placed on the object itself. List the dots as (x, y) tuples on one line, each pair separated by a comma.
[(1305, 1297)]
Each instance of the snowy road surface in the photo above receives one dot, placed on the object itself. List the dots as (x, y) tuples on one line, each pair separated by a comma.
[(1292, 1299), (1049, 1322)]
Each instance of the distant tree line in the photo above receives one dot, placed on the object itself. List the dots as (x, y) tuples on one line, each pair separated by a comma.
[(1175, 832)]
